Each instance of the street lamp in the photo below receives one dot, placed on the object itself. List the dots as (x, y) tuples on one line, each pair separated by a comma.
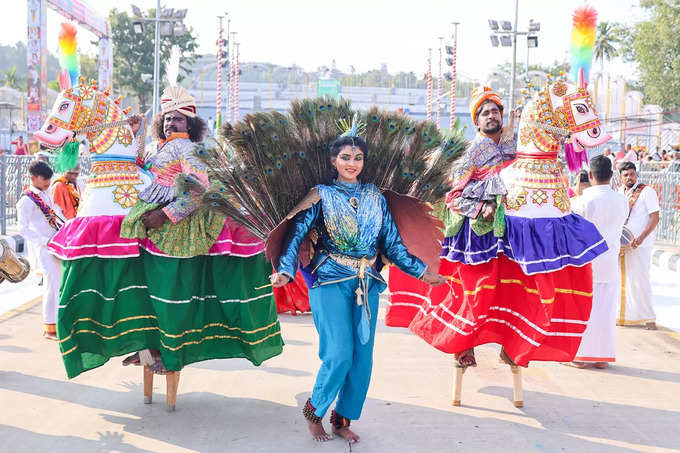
[(168, 22), (508, 38)]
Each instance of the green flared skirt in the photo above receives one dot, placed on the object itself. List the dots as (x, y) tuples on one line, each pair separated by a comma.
[(191, 309), (191, 236)]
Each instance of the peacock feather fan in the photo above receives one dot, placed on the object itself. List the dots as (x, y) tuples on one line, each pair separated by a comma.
[(433, 185), (583, 41), (68, 55), (269, 162)]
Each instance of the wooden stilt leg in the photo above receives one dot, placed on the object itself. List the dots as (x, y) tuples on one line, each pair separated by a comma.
[(457, 385), (517, 386), (172, 380), (148, 385)]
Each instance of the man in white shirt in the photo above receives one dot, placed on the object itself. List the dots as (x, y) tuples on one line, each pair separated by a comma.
[(608, 153), (631, 155), (608, 210), (39, 219), (636, 297)]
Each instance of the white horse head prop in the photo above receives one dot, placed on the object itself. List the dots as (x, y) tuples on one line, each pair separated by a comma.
[(115, 180), (560, 112)]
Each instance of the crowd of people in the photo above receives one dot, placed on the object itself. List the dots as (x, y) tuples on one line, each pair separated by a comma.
[(667, 159), (352, 222)]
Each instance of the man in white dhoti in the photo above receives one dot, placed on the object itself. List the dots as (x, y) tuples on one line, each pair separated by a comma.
[(608, 210), (39, 219), (636, 292)]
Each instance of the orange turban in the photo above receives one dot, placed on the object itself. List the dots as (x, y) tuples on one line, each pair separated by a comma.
[(481, 94)]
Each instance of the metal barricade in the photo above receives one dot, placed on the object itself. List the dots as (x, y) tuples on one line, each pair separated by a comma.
[(14, 179), (665, 180)]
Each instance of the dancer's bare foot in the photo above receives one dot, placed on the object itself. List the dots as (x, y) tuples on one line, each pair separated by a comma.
[(340, 426), (318, 433), (650, 325), (314, 423), (465, 358), (347, 434), (600, 365)]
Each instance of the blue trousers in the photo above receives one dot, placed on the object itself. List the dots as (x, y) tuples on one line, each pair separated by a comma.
[(347, 364)]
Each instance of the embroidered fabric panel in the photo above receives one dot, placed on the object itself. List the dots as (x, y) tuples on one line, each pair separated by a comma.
[(175, 157), (484, 154), (126, 195), (351, 229), (110, 173)]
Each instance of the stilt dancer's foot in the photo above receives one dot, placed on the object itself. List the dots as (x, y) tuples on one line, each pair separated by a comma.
[(650, 325), (505, 358), (132, 360), (340, 426), (465, 358), (314, 423), (157, 367)]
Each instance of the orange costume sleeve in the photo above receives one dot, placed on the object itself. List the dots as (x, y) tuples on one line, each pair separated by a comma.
[(62, 198)]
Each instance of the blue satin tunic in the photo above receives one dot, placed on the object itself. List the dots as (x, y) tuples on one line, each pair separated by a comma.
[(342, 229)]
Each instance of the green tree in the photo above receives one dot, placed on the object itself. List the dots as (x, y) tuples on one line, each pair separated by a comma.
[(655, 46), (605, 43), (10, 76), (89, 67), (133, 54)]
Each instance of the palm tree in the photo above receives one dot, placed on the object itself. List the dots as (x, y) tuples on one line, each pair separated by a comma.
[(605, 41), (11, 77)]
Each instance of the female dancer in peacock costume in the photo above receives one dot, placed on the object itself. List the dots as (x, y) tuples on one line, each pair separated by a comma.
[(346, 227), (145, 266)]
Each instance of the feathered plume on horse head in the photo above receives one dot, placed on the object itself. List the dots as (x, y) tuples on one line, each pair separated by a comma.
[(582, 43), (68, 57)]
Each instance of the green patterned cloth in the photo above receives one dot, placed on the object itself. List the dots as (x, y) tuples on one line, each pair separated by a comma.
[(453, 221), (190, 309), (191, 236)]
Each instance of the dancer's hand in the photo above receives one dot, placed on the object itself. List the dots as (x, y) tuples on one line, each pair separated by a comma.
[(278, 280), (135, 123), (636, 242), (489, 210), (154, 219), (434, 279)]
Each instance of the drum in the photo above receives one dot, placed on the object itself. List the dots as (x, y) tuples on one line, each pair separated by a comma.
[(627, 236), (12, 267)]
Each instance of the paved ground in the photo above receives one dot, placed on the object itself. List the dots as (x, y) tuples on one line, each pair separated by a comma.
[(229, 405)]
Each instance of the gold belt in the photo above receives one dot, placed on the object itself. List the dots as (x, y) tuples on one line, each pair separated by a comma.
[(350, 261)]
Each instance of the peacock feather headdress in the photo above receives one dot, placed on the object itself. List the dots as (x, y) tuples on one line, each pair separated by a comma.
[(354, 129)]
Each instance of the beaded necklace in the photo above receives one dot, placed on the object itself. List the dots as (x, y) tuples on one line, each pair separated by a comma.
[(353, 200)]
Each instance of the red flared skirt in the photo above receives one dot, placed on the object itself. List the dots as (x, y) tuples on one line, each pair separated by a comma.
[(293, 297), (534, 317)]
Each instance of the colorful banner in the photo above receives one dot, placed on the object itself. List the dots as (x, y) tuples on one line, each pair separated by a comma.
[(36, 59)]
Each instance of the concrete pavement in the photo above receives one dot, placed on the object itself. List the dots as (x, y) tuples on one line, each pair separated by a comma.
[(229, 405)]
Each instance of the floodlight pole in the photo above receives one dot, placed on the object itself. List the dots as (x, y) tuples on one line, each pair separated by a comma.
[(156, 59), (514, 58)]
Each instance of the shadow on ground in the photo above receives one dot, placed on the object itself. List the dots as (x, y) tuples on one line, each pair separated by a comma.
[(621, 422), (209, 422)]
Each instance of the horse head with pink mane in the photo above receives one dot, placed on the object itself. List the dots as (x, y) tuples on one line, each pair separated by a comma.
[(115, 179), (560, 114)]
